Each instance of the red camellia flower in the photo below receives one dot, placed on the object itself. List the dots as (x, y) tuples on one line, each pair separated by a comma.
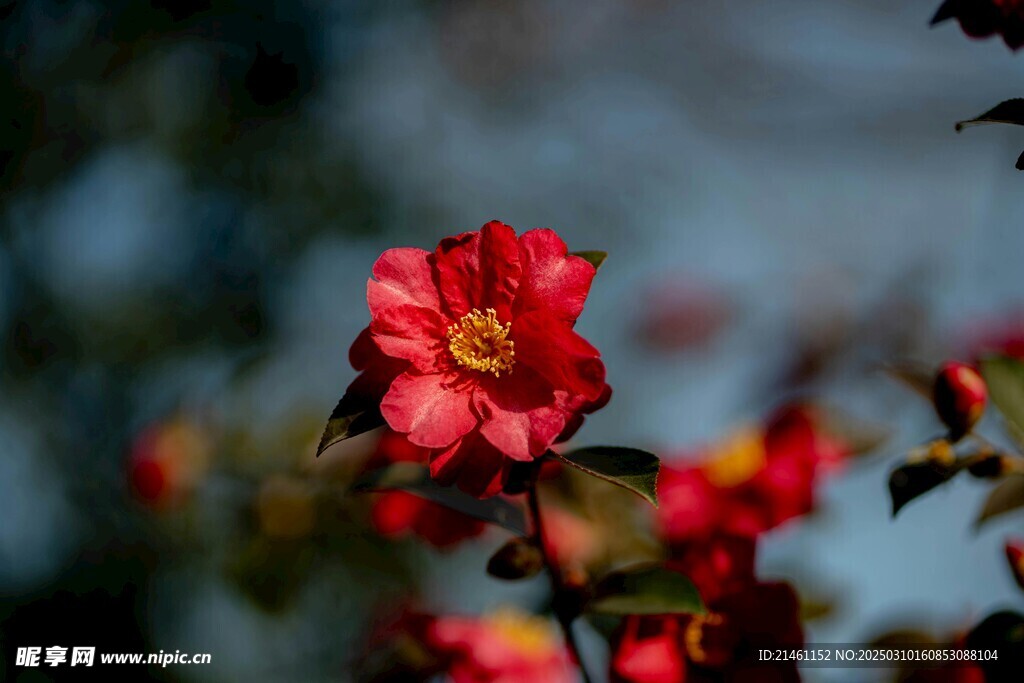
[(397, 513), (754, 481), (984, 18), (472, 353), (506, 646)]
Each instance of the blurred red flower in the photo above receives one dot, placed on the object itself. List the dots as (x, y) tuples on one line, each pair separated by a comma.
[(744, 614), (1002, 335), (720, 645), (472, 353), (168, 459), (397, 513), (755, 480), (984, 18), (506, 646)]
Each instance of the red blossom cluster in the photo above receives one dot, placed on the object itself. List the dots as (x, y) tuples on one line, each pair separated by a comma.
[(505, 645), (471, 351), (710, 517), (752, 482)]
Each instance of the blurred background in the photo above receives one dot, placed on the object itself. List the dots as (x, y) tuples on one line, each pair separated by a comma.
[(192, 195)]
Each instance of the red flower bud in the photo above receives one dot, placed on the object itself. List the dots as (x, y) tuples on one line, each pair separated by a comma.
[(959, 396), (1015, 556)]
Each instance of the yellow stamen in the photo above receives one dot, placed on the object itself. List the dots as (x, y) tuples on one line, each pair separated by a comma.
[(693, 635), (479, 342), (529, 634), (737, 459)]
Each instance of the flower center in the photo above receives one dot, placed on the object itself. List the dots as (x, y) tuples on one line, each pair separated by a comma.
[(479, 342)]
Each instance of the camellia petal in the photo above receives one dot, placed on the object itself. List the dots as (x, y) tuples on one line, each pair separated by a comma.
[(433, 410), (517, 412), (412, 334), (473, 464), (558, 353), (480, 270), (649, 650), (552, 280), (406, 277)]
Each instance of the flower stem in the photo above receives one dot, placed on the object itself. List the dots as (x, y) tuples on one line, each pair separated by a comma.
[(560, 599)]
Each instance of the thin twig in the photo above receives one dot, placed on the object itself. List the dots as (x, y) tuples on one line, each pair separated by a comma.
[(557, 585)]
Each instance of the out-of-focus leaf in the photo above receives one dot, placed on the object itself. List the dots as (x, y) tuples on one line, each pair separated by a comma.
[(594, 258), (351, 417), (271, 572), (1007, 496), (645, 589), (520, 558), (415, 479), (917, 376), (1005, 379), (859, 436), (630, 468), (1010, 111), (812, 608), (1002, 631), (910, 481)]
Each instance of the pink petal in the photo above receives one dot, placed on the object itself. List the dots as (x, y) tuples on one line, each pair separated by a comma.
[(552, 280), (413, 334), (405, 276), (519, 413), (434, 410)]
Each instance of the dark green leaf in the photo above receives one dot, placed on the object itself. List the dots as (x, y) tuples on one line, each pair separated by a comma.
[(415, 479), (1004, 632), (594, 258), (1005, 379), (630, 468), (1010, 111), (646, 589), (520, 558), (1007, 496), (910, 481), (351, 417)]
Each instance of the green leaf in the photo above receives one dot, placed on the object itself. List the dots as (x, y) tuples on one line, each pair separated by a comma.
[(1010, 111), (520, 558), (630, 468), (910, 481), (415, 479), (1007, 496), (594, 258), (1005, 379), (351, 417), (645, 589)]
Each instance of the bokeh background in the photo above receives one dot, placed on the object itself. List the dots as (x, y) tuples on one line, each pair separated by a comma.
[(192, 195)]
